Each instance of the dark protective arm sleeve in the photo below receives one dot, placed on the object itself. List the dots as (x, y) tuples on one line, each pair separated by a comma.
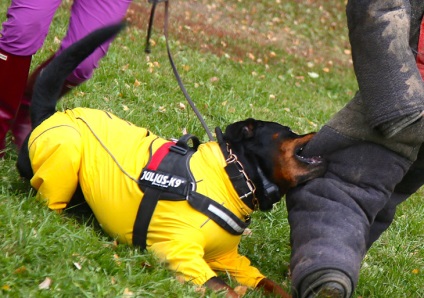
[(383, 51), (330, 217)]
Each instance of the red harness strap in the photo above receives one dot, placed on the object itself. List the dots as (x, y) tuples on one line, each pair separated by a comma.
[(420, 55), (159, 155)]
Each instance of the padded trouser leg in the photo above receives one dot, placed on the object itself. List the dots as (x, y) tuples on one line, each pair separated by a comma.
[(412, 181)]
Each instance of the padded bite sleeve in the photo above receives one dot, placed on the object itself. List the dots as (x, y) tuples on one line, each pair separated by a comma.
[(330, 217), (384, 63)]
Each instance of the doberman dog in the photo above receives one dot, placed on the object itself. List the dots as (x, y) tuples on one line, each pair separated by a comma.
[(187, 202)]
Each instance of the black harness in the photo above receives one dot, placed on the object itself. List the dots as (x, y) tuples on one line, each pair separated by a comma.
[(167, 176)]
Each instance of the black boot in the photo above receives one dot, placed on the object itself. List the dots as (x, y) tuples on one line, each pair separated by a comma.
[(13, 77)]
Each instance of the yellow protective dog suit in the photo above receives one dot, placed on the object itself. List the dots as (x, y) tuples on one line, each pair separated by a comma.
[(105, 155)]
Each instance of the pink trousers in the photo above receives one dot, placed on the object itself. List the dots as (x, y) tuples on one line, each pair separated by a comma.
[(28, 23)]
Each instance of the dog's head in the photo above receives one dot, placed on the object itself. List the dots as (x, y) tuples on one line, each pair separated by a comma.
[(276, 151)]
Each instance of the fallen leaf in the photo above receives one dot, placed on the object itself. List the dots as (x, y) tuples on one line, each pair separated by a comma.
[(137, 83), (180, 279), (247, 232), (5, 288), (127, 292), (116, 258), (77, 265), (313, 75), (415, 271), (146, 264), (201, 291), (240, 290), (45, 285), (20, 270)]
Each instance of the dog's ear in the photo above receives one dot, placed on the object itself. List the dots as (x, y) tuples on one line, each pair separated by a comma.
[(241, 130)]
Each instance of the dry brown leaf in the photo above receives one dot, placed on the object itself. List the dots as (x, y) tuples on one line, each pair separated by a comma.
[(240, 290), (180, 279), (182, 106), (20, 270), (116, 258), (201, 291)]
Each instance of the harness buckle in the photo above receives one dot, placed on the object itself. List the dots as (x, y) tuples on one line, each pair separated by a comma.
[(178, 149), (190, 190)]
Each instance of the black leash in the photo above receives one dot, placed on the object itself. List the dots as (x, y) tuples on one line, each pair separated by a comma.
[(174, 68)]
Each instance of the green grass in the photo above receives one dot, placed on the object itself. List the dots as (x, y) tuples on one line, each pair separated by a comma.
[(284, 61)]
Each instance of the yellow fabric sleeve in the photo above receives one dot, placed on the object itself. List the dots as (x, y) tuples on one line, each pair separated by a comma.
[(238, 267), (55, 177), (185, 258)]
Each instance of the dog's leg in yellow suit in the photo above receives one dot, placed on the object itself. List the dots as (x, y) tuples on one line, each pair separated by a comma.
[(46, 155)]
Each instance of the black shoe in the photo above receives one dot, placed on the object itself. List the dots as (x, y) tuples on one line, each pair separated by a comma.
[(329, 290), (326, 283)]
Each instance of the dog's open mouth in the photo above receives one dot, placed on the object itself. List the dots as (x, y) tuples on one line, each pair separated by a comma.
[(314, 160)]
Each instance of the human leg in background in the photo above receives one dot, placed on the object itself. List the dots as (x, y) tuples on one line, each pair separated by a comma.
[(23, 33), (13, 75), (86, 16)]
